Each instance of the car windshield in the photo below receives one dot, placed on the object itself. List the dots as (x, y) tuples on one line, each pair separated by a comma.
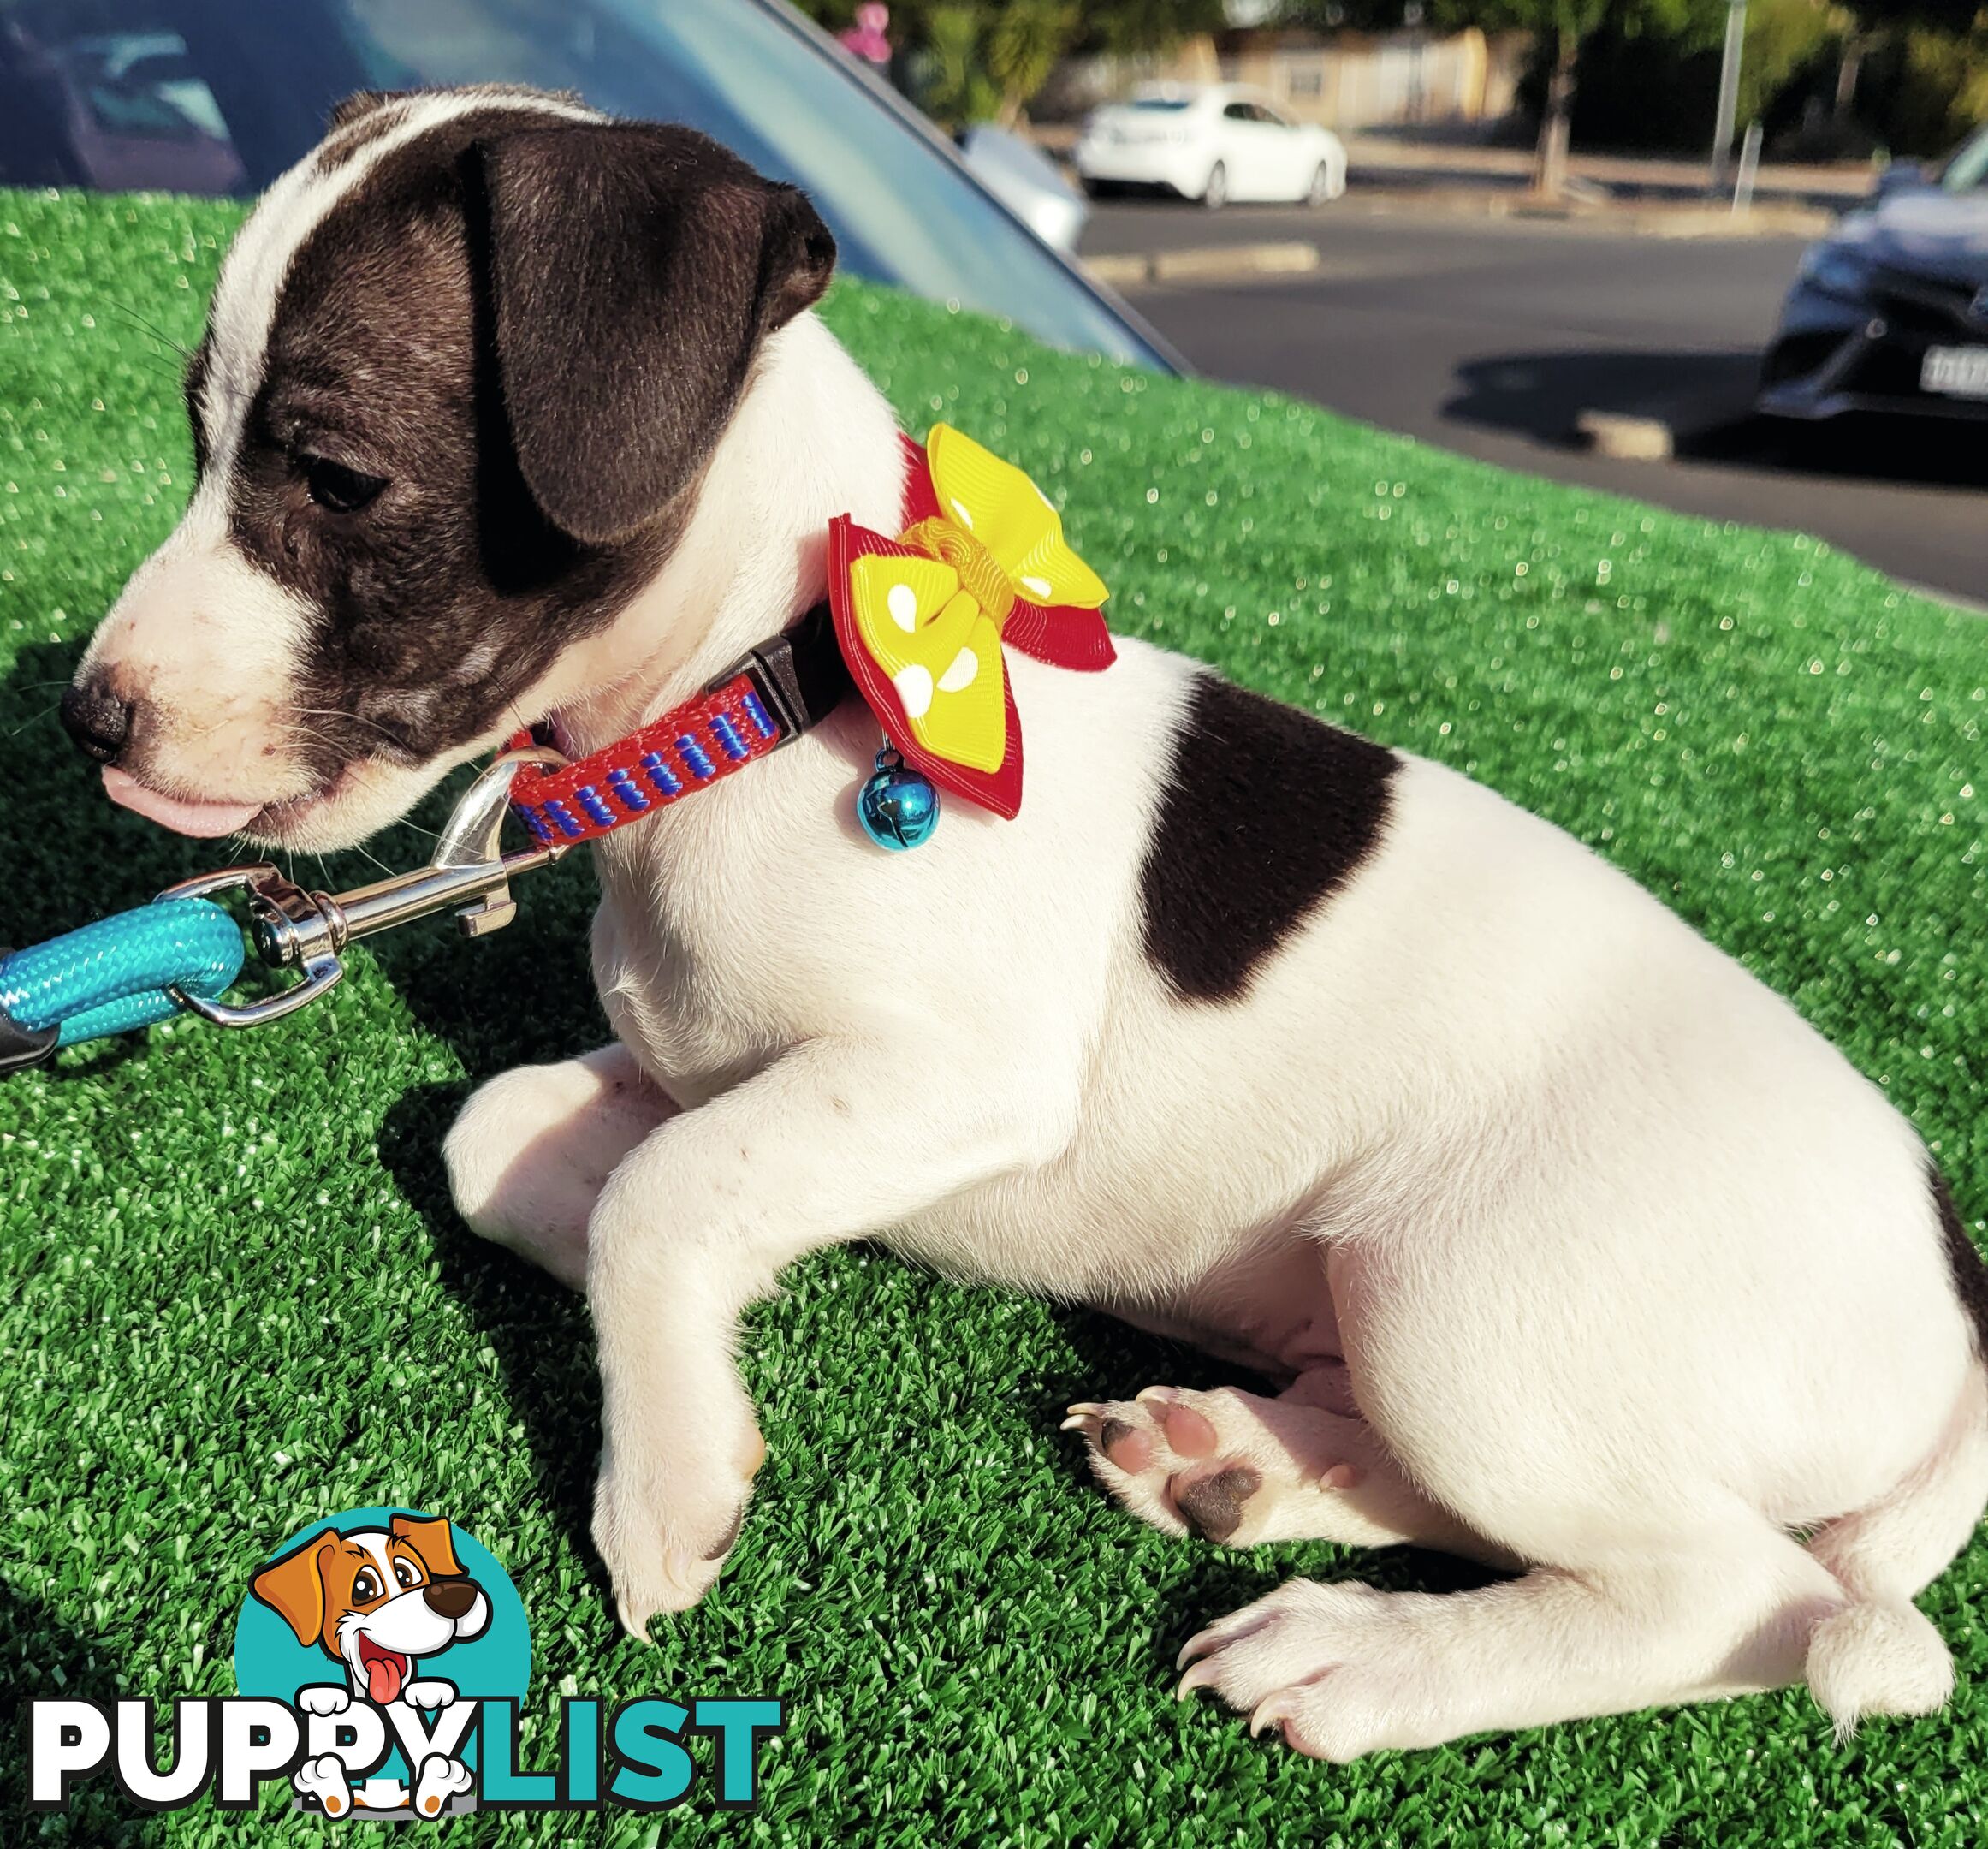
[(220, 96), (1968, 171)]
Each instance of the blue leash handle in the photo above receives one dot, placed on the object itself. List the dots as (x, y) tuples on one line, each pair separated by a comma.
[(112, 977)]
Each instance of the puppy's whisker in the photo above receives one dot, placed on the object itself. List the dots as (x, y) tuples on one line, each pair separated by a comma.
[(361, 847), (357, 718), (34, 719), (153, 329)]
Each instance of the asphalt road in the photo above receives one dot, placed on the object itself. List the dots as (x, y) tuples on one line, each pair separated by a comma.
[(1490, 337)]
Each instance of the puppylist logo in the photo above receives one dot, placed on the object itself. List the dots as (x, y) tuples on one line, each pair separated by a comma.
[(381, 1658)]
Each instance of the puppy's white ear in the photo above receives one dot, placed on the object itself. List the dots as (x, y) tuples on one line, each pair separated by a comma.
[(294, 1586), (633, 270)]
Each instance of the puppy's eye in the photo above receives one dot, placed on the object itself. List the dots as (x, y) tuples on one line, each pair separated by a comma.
[(404, 1573), (337, 487), (365, 1588)]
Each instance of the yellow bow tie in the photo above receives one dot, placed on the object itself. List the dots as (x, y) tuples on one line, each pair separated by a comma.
[(922, 619)]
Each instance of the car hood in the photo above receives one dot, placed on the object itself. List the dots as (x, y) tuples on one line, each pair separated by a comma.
[(1930, 232)]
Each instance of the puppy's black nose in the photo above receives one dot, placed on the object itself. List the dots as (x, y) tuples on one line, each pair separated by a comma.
[(451, 1598), (96, 720)]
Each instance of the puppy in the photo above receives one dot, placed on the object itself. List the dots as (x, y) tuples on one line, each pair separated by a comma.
[(1571, 1246), (374, 1600)]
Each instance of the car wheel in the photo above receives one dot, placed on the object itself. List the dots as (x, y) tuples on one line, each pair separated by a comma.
[(1216, 194), (1320, 192)]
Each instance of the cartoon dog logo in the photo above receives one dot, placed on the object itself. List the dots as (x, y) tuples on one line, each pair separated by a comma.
[(378, 1601)]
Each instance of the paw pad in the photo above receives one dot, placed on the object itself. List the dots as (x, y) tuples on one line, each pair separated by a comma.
[(1214, 1504), (1126, 1446)]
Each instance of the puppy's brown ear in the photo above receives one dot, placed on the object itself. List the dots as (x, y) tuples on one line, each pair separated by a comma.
[(633, 270), (294, 1586), (432, 1541)]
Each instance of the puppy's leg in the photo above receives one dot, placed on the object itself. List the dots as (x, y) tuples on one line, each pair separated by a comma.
[(698, 1223), (532, 1149), (1345, 1669), (439, 1780), (1241, 1469)]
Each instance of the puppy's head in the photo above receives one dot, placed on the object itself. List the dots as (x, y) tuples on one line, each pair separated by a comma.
[(376, 1599), (463, 370)]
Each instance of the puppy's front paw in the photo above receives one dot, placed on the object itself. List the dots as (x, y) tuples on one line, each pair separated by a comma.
[(429, 1693), (665, 1536), (324, 1698)]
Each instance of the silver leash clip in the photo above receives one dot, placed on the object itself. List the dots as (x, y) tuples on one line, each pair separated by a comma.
[(469, 874)]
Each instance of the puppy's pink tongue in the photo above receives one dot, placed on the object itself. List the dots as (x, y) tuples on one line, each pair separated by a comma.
[(383, 1676), (204, 819)]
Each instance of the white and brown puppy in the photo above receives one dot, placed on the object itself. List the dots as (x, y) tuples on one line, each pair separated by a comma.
[(377, 1601), (1578, 1249)]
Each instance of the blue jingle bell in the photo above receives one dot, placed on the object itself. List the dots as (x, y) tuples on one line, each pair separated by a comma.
[(898, 807)]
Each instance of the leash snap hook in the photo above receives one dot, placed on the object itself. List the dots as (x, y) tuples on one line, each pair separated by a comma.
[(469, 873), (290, 927)]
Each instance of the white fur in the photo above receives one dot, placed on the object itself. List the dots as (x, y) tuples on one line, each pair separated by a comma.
[(1630, 1276), (1633, 1271)]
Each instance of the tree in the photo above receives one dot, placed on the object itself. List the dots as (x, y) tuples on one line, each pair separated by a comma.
[(960, 91), (1023, 42), (972, 59), (1565, 24), (1129, 28)]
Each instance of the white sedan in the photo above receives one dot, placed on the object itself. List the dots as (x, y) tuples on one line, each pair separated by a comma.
[(1211, 142)]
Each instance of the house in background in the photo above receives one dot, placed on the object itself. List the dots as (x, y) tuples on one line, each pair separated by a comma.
[(1351, 82)]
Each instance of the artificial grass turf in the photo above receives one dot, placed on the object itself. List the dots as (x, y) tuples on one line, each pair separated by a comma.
[(239, 1299)]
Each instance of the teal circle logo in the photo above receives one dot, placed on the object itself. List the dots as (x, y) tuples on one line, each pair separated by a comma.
[(375, 1624)]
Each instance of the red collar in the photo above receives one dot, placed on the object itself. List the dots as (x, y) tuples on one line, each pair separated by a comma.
[(971, 566), (772, 694)]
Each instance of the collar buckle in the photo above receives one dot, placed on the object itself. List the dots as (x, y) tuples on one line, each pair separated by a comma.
[(798, 673)]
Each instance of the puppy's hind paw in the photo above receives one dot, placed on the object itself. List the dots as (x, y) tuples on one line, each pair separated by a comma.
[(1208, 1464), (325, 1779), (1335, 1669), (439, 1780)]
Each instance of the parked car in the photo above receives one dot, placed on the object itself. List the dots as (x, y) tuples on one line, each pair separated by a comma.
[(1211, 142), (1027, 182), (1890, 312), (220, 96)]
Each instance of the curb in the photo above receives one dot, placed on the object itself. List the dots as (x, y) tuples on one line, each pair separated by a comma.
[(1201, 263), (1658, 220), (1626, 438), (1663, 428)]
